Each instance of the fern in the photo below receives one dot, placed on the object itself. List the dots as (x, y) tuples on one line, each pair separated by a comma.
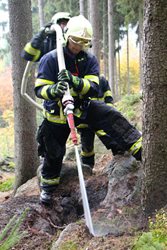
[(156, 238), (10, 235)]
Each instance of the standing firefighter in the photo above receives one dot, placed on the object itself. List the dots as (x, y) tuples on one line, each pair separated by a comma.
[(82, 75), (45, 40)]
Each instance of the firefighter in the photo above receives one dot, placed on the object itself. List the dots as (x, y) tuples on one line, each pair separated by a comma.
[(87, 135), (45, 40), (82, 75)]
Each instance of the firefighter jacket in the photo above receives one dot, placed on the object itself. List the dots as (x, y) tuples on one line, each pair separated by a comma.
[(83, 65), (39, 45), (104, 93)]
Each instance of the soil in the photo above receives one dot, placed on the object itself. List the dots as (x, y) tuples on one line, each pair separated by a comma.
[(44, 225)]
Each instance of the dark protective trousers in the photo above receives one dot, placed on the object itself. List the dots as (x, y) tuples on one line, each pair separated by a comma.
[(87, 136), (113, 129)]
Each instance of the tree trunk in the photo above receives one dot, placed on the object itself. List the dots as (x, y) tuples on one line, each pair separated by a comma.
[(154, 105), (41, 13), (26, 159), (81, 7), (128, 68), (105, 45), (116, 79), (111, 47), (140, 42), (94, 19), (119, 72)]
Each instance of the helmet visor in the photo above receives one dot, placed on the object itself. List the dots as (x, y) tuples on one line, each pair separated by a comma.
[(80, 41)]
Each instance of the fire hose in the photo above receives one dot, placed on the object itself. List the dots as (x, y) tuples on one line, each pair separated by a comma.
[(68, 103)]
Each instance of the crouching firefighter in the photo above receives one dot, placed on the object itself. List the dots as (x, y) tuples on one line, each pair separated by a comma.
[(82, 75)]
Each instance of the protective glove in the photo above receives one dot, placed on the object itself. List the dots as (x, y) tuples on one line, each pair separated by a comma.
[(48, 29), (38, 39), (73, 81), (57, 90), (48, 25), (44, 30)]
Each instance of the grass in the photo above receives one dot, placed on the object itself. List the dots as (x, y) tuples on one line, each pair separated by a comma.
[(129, 106), (6, 142), (7, 184), (69, 245)]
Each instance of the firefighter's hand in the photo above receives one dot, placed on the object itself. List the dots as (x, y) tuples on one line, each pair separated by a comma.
[(57, 90), (49, 29), (73, 81), (45, 30), (38, 39), (65, 75), (48, 25)]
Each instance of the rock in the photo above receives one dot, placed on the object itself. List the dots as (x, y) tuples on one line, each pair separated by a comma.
[(70, 153), (64, 235), (123, 195), (29, 188), (124, 181)]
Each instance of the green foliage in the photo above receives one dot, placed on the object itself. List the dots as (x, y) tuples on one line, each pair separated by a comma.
[(156, 238), (158, 227), (130, 10), (6, 142), (126, 105), (11, 165), (11, 234), (50, 8), (147, 242), (3, 123), (134, 81), (68, 245), (35, 16), (5, 52), (7, 135), (71, 6), (7, 185)]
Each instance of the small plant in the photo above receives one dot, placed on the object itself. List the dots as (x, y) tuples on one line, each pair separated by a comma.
[(11, 235), (7, 184), (69, 245), (158, 228), (11, 165), (147, 242), (156, 238)]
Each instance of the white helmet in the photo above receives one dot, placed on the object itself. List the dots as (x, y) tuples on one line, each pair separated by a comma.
[(60, 16), (79, 30)]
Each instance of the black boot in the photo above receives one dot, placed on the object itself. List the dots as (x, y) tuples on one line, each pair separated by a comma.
[(46, 197), (87, 169)]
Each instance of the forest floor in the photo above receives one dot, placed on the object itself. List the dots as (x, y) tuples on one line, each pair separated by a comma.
[(119, 224), (45, 225)]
